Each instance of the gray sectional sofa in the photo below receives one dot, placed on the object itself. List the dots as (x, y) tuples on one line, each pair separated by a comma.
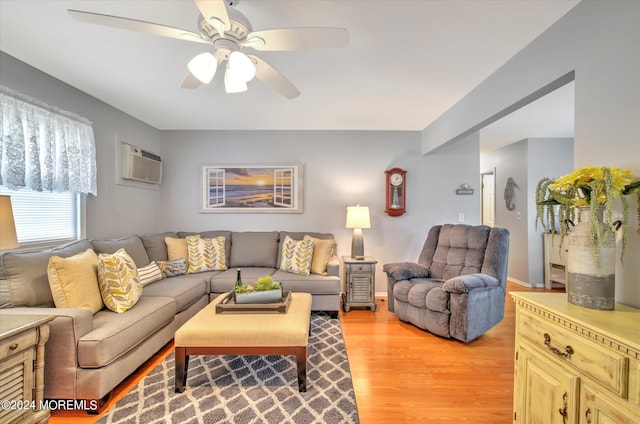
[(87, 354)]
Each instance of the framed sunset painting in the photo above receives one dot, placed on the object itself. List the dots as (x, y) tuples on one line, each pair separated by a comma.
[(251, 188)]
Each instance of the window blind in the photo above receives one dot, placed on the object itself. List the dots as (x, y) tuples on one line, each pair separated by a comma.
[(45, 217)]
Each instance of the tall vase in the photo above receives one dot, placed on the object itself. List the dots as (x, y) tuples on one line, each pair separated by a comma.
[(590, 285)]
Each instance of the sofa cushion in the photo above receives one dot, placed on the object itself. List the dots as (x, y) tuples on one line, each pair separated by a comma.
[(184, 289), (132, 244), (298, 236), (119, 284), (113, 334), (74, 281), (150, 273), (313, 283), (212, 234), (156, 247), (206, 254), (254, 249), (322, 254), (297, 256), (224, 281), (26, 273)]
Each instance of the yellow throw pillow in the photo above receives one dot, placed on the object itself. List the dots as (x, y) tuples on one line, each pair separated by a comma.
[(206, 254), (74, 281), (176, 247), (322, 253), (119, 284), (296, 256)]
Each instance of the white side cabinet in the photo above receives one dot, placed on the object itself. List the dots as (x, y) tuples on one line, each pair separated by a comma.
[(575, 365), (555, 260)]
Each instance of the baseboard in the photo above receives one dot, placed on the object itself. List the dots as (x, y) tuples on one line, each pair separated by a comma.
[(524, 283)]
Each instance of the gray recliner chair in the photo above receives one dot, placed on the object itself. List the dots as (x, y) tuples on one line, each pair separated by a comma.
[(458, 287)]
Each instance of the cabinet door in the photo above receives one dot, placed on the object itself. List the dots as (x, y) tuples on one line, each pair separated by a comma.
[(360, 287), (548, 394), (596, 408)]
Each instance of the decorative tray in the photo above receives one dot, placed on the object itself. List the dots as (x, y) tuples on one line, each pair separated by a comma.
[(228, 305)]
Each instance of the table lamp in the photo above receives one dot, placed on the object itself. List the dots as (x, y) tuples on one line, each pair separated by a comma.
[(358, 218), (8, 237)]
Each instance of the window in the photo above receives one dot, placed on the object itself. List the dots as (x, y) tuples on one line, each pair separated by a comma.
[(45, 218), (216, 195), (283, 187)]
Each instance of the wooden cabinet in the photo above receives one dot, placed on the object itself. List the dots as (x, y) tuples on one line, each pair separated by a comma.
[(22, 340), (360, 282), (575, 365), (555, 259)]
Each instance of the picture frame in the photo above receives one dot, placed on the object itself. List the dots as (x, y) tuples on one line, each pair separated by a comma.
[(251, 188)]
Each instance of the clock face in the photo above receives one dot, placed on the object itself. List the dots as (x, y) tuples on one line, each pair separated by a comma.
[(396, 179)]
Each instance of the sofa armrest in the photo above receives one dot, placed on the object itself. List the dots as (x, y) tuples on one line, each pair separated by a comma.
[(333, 267), (406, 270), (469, 282), (61, 353)]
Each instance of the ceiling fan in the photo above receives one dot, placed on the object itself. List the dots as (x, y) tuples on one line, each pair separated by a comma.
[(229, 32)]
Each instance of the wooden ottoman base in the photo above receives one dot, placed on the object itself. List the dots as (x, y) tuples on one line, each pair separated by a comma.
[(183, 353), (211, 333)]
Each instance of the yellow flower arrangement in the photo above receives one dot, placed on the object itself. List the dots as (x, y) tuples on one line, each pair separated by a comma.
[(587, 186)]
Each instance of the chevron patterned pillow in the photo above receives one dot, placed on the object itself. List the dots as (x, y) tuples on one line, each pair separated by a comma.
[(120, 287), (206, 254), (297, 256)]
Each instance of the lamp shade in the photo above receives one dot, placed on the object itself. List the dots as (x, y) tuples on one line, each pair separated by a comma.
[(8, 237), (203, 67), (242, 67), (358, 217)]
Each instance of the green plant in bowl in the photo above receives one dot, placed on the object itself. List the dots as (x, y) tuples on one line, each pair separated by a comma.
[(261, 284)]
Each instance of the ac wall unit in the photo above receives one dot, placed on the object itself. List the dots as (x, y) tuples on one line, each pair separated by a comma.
[(140, 165)]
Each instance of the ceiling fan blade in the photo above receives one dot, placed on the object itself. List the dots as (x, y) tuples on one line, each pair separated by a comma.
[(135, 25), (274, 79), (190, 81), (297, 39), (216, 13)]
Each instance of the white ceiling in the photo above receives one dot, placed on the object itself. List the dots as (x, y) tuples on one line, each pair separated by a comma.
[(407, 61)]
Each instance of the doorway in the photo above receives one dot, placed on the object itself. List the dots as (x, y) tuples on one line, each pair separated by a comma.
[(489, 198)]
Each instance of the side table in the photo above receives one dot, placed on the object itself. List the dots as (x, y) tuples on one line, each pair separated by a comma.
[(360, 282), (22, 340)]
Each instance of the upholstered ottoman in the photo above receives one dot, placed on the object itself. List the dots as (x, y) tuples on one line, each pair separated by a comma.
[(211, 333)]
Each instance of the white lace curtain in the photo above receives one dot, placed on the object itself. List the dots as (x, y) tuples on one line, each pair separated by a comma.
[(44, 148)]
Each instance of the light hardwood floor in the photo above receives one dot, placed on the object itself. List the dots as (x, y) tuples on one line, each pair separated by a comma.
[(402, 374)]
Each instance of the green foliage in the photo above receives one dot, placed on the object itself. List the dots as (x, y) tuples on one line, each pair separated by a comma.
[(261, 284)]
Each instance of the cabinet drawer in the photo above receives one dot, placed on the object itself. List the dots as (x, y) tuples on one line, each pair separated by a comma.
[(360, 268), (18, 343), (606, 367)]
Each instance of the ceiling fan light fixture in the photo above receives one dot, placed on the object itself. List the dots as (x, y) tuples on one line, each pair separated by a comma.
[(242, 66), (203, 67), (233, 84)]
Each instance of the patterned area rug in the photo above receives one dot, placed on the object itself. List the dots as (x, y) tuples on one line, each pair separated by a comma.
[(249, 389)]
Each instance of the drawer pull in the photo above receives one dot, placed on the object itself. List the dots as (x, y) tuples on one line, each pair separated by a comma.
[(587, 415), (13, 346), (563, 411), (568, 350)]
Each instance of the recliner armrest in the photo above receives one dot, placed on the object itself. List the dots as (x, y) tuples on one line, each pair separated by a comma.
[(406, 270), (469, 282)]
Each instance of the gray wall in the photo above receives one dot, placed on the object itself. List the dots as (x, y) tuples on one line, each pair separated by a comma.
[(527, 162), (117, 210), (340, 168), (599, 41)]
